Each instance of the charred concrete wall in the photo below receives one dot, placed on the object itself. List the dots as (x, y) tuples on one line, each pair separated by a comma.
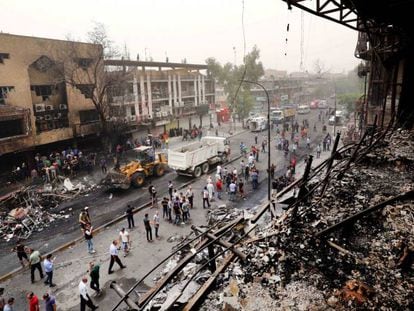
[(32, 78)]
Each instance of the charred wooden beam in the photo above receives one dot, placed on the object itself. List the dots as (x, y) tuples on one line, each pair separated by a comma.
[(202, 291), (183, 262), (223, 243)]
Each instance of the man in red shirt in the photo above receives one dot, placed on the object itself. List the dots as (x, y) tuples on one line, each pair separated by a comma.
[(33, 302), (293, 164), (219, 188)]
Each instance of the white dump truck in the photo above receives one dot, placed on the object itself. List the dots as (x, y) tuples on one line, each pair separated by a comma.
[(196, 158)]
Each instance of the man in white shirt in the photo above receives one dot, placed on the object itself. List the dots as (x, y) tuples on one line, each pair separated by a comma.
[(114, 252), (233, 189), (125, 241), (210, 189), (251, 160), (84, 296), (219, 170)]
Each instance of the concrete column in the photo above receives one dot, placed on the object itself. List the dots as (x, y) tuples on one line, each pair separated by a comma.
[(143, 102), (170, 94), (199, 89), (195, 92), (179, 89), (149, 95), (175, 91), (203, 87), (136, 95)]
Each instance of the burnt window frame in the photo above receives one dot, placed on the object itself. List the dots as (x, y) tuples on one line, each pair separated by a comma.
[(86, 90), (88, 116), (4, 90), (4, 56)]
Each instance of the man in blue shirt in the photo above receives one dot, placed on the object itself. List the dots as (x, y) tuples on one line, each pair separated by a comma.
[(50, 302), (48, 265)]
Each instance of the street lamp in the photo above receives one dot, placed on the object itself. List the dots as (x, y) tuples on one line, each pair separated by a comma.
[(268, 136)]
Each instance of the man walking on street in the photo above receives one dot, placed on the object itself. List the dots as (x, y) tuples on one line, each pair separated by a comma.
[(34, 262), (164, 204), (148, 228), (48, 265), (219, 188), (170, 189), (85, 300), (114, 252), (190, 196), (255, 139), (88, 234), (153, 194), (50, 302), (130, 216), (156, 222), (232, 188), (21, 252), (33, 302), (125, 240), (205, 198), (94, 274)]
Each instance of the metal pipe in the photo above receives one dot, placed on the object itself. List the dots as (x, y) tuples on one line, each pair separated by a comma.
[(120, 292)]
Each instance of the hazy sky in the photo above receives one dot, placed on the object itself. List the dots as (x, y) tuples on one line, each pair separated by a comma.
[(191, 29)]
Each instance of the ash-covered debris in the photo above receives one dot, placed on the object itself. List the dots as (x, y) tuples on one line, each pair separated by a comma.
[(365, 264), (34, 208)]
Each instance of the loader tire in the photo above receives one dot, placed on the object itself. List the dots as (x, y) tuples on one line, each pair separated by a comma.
[(138, 180), (159, 170)]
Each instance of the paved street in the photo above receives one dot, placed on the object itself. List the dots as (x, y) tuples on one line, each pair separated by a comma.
[(72, 263)]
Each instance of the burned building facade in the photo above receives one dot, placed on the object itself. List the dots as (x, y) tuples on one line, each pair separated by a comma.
[(37, 104)]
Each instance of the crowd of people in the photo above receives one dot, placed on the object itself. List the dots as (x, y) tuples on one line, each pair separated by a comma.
[(69, 162)]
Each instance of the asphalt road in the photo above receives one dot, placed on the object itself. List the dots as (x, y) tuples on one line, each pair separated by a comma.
[(103, 208)]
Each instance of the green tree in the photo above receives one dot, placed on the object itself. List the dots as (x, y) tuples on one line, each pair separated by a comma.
[(238, 94)]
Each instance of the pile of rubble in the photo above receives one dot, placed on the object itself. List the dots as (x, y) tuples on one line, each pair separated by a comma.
[(365, 263), (33, 208)]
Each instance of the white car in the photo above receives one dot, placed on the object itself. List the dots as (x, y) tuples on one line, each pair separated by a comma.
[(322, 104)]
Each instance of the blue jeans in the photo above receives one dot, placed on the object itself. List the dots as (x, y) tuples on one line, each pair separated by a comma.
[(89, 243)]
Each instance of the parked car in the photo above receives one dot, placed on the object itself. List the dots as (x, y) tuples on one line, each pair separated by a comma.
[(323, 104)]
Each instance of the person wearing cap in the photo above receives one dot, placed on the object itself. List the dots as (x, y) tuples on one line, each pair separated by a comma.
[(84, 218), (50, 302)]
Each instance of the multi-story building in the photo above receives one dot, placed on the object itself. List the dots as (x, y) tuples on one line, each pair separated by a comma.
[(47, 88), (162, 97), (37, 105)]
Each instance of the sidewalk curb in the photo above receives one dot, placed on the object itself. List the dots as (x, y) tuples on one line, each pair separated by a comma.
[(65, 246)]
